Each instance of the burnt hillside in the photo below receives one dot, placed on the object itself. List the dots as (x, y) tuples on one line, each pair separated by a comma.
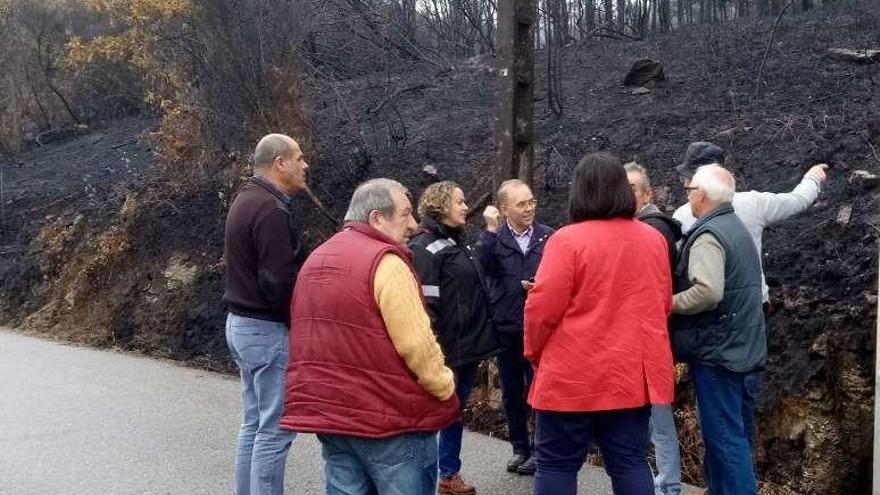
[(103, 246)]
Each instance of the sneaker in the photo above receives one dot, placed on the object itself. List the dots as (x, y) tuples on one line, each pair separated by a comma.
[(455, 485)]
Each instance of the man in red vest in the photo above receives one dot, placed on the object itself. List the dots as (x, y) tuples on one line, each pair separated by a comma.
[(366, 373)]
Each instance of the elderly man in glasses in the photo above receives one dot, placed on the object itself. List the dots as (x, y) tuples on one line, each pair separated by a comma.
[(510, 250)]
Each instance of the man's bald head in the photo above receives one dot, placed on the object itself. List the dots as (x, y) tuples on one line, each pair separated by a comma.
[(507, 186), (278, 159), (271, 147), (517, 203)]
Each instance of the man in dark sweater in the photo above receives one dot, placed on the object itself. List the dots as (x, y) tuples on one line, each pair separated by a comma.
[(263, 255), (663, 433)]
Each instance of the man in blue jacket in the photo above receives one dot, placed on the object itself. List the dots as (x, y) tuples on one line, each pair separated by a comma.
[(510, 250)]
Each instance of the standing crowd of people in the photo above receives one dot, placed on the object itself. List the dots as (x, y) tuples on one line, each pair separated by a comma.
[(373, 340)]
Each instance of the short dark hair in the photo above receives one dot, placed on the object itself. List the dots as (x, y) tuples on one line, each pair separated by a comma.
[(599, 189)]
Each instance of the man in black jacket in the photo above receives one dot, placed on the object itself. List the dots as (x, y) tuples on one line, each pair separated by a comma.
[(648, 212), (263, 255), (510, 250), (663, 433)]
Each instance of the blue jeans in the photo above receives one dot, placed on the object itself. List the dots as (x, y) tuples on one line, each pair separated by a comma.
[(751, 382), (260, 350), (450, 437), (400, 465), (562, 440), (515, 373), (665, 440), (726, 409)]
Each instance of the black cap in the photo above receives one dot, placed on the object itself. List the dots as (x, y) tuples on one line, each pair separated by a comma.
[(698, 154)]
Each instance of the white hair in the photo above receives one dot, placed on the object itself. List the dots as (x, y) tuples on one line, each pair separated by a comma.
[(374, 194), (717, 182)]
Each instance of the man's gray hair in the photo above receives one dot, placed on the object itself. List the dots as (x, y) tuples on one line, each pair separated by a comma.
[(716, 181), (270, 147), (505, 186), (636, 168), (374, 194)]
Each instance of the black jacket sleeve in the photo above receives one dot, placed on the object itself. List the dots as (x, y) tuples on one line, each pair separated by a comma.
[(428, 269), (486, 253), (670, 236)]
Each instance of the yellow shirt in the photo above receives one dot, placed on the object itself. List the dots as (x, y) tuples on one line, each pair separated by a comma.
[(397, 294)]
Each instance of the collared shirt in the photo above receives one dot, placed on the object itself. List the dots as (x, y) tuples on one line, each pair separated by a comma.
[(285, 197), (522, 239)]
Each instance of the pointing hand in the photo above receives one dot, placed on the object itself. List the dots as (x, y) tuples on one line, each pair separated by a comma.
[(819, 171)]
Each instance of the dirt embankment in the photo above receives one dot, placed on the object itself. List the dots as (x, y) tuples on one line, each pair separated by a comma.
[(100, 246)]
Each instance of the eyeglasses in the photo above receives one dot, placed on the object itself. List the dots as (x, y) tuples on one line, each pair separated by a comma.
[(524, 204), (691, 188)]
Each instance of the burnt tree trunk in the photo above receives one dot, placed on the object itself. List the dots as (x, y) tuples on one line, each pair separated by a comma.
[(665, 16), (590, 14), (514, 134)]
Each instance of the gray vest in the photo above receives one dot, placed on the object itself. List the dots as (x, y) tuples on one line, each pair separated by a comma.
[(732, 335)]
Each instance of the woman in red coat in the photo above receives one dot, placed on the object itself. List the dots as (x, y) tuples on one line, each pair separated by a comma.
[(595, 331)]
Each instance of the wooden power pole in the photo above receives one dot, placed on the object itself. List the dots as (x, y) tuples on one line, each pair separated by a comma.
[(875, 490), (514, 127)]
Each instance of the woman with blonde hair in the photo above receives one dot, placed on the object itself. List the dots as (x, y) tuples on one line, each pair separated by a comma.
[(458, 304)]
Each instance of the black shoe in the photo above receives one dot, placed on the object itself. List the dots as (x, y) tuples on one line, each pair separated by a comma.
[(515, 462), (527, 467)]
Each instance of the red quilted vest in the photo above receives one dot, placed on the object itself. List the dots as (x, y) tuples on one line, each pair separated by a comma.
[(344, 375)]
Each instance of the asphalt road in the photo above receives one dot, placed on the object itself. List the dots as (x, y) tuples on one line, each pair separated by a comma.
[(83, 421)]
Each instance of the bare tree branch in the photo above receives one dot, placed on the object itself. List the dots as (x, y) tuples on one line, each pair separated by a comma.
[(767, 51)]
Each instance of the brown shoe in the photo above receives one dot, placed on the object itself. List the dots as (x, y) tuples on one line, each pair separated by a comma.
[(455, 485)]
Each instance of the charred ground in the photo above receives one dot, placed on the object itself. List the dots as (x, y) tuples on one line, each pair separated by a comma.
[(102, 244)]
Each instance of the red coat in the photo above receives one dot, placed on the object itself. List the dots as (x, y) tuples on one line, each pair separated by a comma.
[(596, 320), (345, 376)]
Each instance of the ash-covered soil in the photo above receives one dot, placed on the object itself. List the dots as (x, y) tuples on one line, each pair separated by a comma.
[(100, 245)]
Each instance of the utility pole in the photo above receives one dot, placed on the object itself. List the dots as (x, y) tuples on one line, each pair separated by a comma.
[(875, 490), (514, 115)]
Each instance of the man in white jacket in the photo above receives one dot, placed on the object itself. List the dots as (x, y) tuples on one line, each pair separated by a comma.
[(757, 210)]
